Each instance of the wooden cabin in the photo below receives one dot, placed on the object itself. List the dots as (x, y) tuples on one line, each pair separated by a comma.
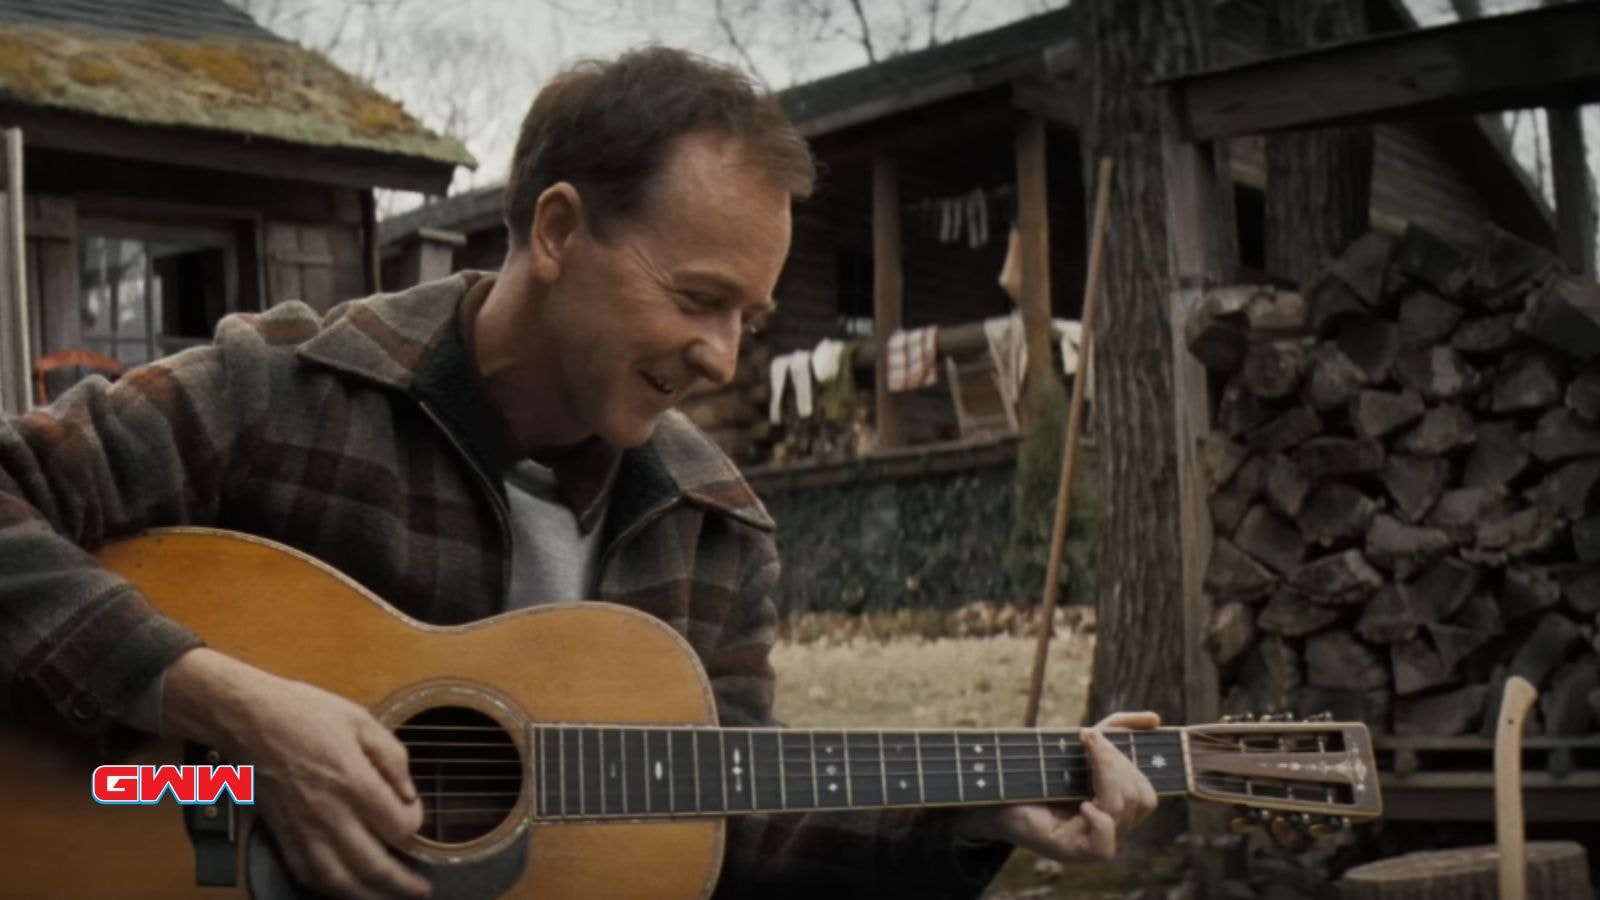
[(181, 163), (948, 121)]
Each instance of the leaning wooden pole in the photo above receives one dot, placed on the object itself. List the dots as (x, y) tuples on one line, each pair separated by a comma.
[(1069, 456)]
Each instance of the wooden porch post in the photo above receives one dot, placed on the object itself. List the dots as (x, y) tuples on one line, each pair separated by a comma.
[(16, 329), (1033, 214), (1575, 213), (1195, 256), (887, 290)]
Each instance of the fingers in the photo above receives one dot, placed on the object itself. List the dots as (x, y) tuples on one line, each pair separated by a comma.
[(1136, 721), (394, 821), (1101, 833), (391, 759), (1120, 789)]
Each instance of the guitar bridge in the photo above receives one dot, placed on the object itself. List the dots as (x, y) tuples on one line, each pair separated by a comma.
[(212, 828)]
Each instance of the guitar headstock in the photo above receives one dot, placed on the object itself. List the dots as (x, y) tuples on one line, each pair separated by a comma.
[(1316, 776)]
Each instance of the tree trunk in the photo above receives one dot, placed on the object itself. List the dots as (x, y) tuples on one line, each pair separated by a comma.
[(1139, 649), (1319, 182)]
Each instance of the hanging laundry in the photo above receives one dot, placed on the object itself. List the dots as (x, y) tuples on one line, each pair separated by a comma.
[(1008, 348), (836, 399), (790, 369), (1070, 333), (825, 359), (778, 377), (914, 358)]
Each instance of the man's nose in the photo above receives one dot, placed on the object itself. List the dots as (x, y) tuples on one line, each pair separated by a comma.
[(715, 353)]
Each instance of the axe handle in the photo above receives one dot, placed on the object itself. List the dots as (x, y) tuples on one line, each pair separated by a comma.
[(1510, 838)]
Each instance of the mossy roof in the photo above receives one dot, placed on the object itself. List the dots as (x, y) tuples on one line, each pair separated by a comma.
[(241, 80)]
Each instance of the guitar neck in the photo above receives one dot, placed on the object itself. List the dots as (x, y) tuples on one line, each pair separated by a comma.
[(590, 773)]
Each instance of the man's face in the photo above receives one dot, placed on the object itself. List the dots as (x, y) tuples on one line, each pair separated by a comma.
[(657, 308)]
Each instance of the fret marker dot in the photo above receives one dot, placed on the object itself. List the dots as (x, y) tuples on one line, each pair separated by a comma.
[(828, 750), (903, 784), (1063, 745), (832, 788), (613, 770), (658, 770), (982, 783), (1159, 762), (833, 770), (977, 767), (978, 748)]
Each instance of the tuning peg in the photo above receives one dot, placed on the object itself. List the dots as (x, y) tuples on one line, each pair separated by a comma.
[(1283, 830), (1320, 717), (1330, 826)]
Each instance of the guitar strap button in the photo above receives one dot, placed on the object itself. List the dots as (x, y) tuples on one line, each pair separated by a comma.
[(85, 706)]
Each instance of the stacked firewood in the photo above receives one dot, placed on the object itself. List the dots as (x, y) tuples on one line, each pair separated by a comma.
[(1404, 469)]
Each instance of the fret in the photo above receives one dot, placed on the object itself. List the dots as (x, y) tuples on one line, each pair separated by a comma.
[(864, 758), (999, 763), (883, 770), (942, 780), (961, 779), (800, 785), (767, 793), (1044, 770), (783, 780), (750, 754), (708, 765), (571, 773), (816, 786), (1133, 750), (1024, 773), (979, 760), (724, 764), (922, 780), (902, 770), (600, 739), (658, 771), (546, 781), (636, 771)]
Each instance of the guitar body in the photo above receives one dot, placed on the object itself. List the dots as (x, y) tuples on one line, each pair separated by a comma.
[(288, 614)]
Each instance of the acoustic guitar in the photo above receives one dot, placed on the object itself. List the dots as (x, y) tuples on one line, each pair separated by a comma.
[(563, 752)]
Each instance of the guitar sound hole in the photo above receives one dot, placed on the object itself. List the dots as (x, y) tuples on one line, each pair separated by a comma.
[(466, 769)]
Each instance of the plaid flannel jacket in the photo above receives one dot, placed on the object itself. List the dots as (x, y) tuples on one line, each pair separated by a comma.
[(362, 438)]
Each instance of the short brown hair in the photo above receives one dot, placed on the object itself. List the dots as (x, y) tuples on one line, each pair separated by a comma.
[(605, 128)]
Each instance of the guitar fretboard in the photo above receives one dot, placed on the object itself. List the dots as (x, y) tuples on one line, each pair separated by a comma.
[(601, 772)]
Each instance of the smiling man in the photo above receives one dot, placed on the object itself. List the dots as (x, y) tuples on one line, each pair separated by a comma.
[(477, 444)]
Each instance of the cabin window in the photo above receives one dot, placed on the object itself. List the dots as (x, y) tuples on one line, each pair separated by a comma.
[(148, 293), (1250, 217), (854, 291)]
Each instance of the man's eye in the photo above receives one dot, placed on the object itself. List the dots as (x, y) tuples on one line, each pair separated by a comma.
[(756, 324)]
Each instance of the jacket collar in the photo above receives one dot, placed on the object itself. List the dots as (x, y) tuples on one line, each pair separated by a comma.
[(412, 342)]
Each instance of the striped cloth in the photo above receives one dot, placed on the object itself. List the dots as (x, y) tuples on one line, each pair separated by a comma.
[(914, 359)]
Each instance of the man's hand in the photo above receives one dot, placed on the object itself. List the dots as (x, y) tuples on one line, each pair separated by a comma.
[(1123, 797), (332, 782)]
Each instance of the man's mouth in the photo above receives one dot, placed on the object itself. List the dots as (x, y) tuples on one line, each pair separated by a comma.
[(664, 387)]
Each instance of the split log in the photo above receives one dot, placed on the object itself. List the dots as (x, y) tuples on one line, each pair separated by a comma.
[(1332, 380), (1332, 303), (1433, 261), (1373, 345), (1580, 588), (1546, 648), (1564, 313), (1394, 614), (1232, 631), (1507, 265), (1498, 455), (1324, 457), (1286, 487), (1568, 491), (1335, 513), (1529, 380), (1364, 266), (1586, 539), (1426, 319), (1583, 395), (1275, 313), (1513, 535), (1232, 574), (1446, 586), (1273, 369), (1334, 659), (1441, 715), (1229, 505), (1270, 538), (1294, 427), (1240, 412), (1415, 483), (1437, 373), (1561, 435), (1459, 512), (1404, 549), (1341, 578), (1565, 705), (1442, 429), (1419, 666), (1290, 614), (1490, 334), (1481, 614), (1220, 458), (1374, 414), (1218, 331), (1528, 592)]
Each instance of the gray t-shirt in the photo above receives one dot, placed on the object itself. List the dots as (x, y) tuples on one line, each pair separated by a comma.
[(552, 559)]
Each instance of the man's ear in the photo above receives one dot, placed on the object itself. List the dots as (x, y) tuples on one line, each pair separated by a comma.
[(557, 218)]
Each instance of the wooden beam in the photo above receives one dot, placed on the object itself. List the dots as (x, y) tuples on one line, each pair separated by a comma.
[(1033, 220), (887, 290), (1574, 199), (225, 151), (16, 357), (1542, 57), (371, 266)]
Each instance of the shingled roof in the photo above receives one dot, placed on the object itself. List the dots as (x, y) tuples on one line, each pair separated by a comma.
[(198, 64)]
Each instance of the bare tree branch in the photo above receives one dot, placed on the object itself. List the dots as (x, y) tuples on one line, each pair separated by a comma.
[(725, 23), (866, 31)]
